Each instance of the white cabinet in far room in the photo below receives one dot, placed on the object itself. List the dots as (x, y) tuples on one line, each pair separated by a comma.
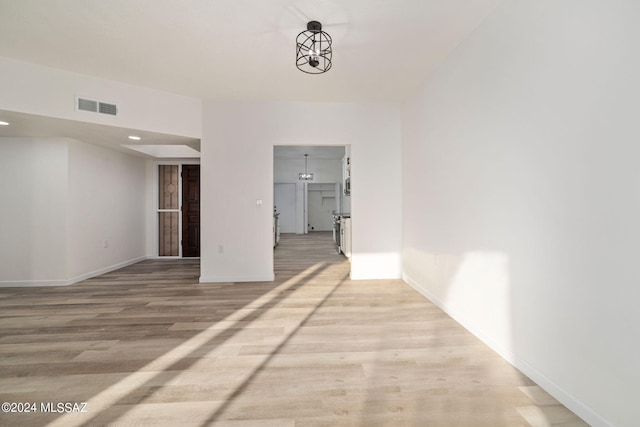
[(345, 238)]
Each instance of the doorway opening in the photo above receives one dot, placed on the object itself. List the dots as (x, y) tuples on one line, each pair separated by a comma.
[(311, 200)]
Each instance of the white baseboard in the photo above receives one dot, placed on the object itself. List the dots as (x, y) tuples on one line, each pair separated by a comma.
[(106, 270), (32, 283), (71, 281), (228, 279), (568, 400)]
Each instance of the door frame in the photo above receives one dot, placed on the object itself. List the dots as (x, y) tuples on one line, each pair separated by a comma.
[(152, 230)]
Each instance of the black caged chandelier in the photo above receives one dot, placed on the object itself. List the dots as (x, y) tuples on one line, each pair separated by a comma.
[(313, 49)]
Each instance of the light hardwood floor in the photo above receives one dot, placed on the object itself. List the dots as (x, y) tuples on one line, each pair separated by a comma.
[(149, 345)]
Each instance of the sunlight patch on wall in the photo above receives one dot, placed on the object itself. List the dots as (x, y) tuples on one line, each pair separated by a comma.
[(474, 288), (383, 265)]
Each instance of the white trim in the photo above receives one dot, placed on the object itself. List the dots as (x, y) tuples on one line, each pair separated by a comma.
[(32, 283), (71, 281), (227, 279), (568, 400)]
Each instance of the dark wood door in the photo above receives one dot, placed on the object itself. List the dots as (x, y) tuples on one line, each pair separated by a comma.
[(190, 210)]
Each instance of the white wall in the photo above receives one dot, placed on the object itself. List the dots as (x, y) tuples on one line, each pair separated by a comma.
[(33, 216), (107, 201), (521, 196), (237, 170), (321, 204), (61, 199), (45, 91), (285, 204)]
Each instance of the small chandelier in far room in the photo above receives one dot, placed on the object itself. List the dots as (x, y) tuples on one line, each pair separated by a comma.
[(305, 176), (313, 49)]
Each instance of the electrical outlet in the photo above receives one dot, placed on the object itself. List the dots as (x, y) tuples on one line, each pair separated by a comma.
[(105, 244), (220, 249)]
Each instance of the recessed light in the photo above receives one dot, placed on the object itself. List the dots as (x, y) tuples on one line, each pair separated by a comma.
[(3, 123), (134, 137)]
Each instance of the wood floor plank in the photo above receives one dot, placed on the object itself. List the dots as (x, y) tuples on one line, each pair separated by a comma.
[(148, 345)]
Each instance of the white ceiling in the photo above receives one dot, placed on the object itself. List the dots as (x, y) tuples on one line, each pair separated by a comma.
[(242, 49)]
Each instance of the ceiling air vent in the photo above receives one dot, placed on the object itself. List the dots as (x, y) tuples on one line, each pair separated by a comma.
[(87, 105), (105, 108), (93, 106)]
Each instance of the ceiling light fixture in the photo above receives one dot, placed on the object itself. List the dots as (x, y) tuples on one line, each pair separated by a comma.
[(306, 176), (3, 123), (134, 137), (313, 49)]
